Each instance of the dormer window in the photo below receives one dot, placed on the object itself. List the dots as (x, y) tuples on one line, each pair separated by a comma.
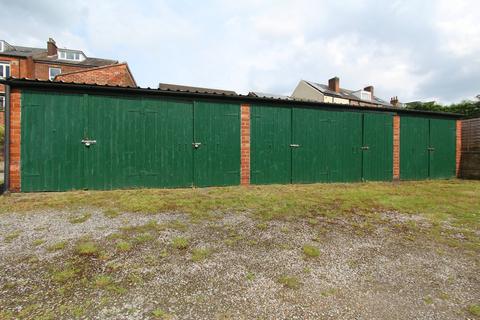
[(70, 55), (2, 45), (363, 95)]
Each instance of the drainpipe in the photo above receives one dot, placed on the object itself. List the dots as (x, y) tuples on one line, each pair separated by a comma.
[(6, 144)]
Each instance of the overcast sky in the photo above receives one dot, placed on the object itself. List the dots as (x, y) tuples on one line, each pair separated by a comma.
[(416, 50)]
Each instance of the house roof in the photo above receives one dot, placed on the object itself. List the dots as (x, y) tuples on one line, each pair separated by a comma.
[(269, 95), (115, 65), (109, 89), (40, 55), (177, 87), (344, 93)]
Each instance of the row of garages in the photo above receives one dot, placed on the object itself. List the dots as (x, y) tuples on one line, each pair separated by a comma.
[(94, 137)]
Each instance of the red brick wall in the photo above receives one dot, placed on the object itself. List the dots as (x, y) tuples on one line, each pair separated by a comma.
[(245, 144), (458, 151), (18, 68), (396, 147), (41, 69), (117, 74), (15, 99)]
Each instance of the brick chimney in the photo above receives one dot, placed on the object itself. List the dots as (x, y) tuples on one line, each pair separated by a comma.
[(369, 89), (51, 47), (334, 84), (394, 101)]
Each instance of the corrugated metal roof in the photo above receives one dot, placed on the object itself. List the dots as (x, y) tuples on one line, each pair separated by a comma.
[(177, 87), (25, 82), (269, 95)]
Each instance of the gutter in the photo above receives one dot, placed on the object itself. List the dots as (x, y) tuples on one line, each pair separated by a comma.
[(6, 144)]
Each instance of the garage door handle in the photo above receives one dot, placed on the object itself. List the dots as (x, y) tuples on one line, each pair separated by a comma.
[(293, 145), (365, 148), (431, 149), (88, 143), (196, 144)]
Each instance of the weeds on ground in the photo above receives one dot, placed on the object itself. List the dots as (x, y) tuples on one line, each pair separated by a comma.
[(474, 309), (124, 245), (38, 242), (111, 213), (80, 218), (290, 282), (310, 251), (102, 281), (160, 314), (180, 243), (86, 248), (57, 246), (199, 254), (12, 236)]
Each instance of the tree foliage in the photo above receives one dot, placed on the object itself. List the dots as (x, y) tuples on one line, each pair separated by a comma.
[(469, 108)]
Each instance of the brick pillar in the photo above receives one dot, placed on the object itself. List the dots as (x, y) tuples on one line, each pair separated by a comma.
[(14, 169), (458, 151), (245, 145), (396, 147)]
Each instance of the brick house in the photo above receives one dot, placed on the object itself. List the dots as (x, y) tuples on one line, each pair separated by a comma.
[(48, 63), (332, 93)]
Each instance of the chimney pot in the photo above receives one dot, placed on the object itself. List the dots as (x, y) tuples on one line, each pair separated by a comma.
[(334, 84), (51, 47), (394, 101)]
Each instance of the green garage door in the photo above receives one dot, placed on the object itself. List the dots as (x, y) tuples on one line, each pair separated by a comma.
[(134, 142), (270, 139), (427, 148), (377, 147), (308, 145)]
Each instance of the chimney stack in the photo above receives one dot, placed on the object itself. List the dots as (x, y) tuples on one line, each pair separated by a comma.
[(51, 47), (394, 101), (334, 84), (369, 89)]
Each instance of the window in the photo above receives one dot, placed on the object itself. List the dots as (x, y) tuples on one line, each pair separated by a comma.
[(2, 45), (71, 55), (4, 70), (52, 72), (2, 102)]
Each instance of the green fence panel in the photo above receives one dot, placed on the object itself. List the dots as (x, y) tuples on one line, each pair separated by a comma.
[(270, 139), (377, 147), (217, 134), (442, 148)]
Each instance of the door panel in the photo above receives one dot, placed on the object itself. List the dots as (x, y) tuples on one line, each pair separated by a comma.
[(345, 151), (217, 159), (442, 148), (414, 143), (52, 127), (270, 160), (378, 138), (311, 132)]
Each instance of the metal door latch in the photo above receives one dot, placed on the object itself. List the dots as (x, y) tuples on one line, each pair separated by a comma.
[(431, 149), (87, 142), (365, 148), (196, 144), (293, 145)]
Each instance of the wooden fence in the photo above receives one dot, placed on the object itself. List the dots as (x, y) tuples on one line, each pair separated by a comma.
[(470, 158)]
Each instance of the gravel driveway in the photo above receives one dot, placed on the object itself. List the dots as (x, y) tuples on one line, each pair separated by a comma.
[(230, 266)]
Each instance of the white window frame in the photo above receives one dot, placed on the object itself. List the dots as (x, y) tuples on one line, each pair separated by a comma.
[(2, 45), (2, 103), (77, 56), (50, 72), (4, 66)]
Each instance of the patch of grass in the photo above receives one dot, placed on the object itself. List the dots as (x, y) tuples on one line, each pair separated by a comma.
[(12, 236), (474, 309), (38, 242), (329, 292), (250, 276), (64, 275), (143, 237), (111, 213), (199, 254), (310, 251), (160, 314), (80, 218), (57, 246), (102, 281), (290, 282), (180, 243), (428, 300), (262, 226), (124, 245), (87, 248), (312, 221)]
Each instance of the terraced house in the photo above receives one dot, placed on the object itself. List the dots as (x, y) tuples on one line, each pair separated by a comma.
[(51, 62)]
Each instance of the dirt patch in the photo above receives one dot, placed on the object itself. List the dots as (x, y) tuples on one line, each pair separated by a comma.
[(229, 266)]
